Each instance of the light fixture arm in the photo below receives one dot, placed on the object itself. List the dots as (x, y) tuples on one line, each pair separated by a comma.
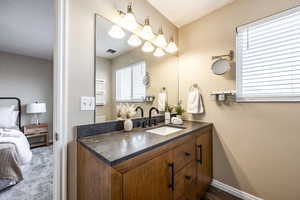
[(230, 55), (146, 21)]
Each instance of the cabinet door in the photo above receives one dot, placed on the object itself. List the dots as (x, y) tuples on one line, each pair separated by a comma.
[(204, 161), (150, 181), (184, 182)]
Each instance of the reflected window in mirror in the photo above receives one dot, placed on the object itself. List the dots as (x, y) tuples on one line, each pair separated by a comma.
[(129, 83), (120, 73)]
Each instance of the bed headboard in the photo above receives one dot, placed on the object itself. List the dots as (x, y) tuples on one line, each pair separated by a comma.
[(18, 107)]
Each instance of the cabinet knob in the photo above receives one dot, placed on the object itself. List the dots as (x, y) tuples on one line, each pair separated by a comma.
[(187, 153), (188, 177)]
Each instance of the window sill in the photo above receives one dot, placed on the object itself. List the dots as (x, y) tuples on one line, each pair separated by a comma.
[(268, 100)]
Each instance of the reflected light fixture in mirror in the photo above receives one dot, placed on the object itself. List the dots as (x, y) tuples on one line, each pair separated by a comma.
[(116, 32), (134, 41), (129, 20), (159, 52), (172, 47), (147, 47), (147, 33), (160, 40)]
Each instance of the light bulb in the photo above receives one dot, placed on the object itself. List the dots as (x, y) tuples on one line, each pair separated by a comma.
[(134, 40), (159, 52), (172, 47), (146, 32), (147, 47), (160, 40), (116, 32), (128, 21)]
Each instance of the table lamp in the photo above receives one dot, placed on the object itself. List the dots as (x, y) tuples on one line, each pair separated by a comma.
[(36, 108)]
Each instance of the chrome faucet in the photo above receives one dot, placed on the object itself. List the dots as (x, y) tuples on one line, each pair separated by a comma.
[(150, 115)]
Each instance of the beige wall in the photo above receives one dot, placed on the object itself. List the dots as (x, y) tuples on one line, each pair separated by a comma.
[(158, 68), (29, 79), (80, 60), (256, 145), (104, 72)]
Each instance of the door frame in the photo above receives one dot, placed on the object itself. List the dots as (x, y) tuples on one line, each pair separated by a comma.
[(60, 136)]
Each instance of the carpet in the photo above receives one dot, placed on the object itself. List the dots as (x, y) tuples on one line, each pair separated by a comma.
[(38, 178)]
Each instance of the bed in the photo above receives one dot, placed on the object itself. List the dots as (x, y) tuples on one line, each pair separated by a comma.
[(14, 147)]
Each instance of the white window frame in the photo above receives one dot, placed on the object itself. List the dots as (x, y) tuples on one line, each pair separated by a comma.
[(239, 97), (131, 100)]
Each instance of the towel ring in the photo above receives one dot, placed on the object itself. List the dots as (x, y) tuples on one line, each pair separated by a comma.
[(163, 89), (194, 86)]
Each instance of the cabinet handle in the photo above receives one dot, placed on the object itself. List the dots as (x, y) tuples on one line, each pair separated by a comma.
[(188, 177), (200, 152), (187, 153), (172, 176)]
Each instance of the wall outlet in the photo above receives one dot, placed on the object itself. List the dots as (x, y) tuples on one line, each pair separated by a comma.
[(87, 103)]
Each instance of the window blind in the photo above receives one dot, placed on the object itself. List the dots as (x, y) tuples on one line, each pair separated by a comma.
[(129, 83), (268, 58)]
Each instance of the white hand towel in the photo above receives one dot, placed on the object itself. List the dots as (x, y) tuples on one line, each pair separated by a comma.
[(194, 103), (162, 99)]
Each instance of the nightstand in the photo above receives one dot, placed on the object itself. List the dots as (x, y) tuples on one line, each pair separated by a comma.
[(33, 132)]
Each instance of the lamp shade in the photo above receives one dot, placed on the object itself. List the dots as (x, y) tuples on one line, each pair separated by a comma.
[(34, 108)]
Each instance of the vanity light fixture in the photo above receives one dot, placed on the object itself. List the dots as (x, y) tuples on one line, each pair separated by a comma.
[(128, 19), (153, 41), (147, 47), (160, 40), (159, 52), (134, 41), (147, 33), (172, 47), (116, 32)]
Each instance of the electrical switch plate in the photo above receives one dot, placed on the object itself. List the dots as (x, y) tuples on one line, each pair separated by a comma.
[(87, 103)]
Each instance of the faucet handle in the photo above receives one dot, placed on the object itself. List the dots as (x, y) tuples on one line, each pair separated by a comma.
[(150, 122), (144, 123), (154, 122)]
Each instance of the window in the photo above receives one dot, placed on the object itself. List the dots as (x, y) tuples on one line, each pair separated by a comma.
[(129, 83), (268, 58)]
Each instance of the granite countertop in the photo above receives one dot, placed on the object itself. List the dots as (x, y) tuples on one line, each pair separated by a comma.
[(115, 147)]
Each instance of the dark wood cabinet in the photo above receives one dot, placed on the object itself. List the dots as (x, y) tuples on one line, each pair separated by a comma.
[(150, 181), (178, 170), (203, 161), (184, 180)]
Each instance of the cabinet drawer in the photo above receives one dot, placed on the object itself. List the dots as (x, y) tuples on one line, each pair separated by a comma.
[(184, 180), (184, 154)]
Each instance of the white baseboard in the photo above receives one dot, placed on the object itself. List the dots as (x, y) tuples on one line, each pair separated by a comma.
[(233, 191)]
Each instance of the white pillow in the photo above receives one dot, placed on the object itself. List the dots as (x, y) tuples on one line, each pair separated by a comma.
[(8, 117), (14, 118)]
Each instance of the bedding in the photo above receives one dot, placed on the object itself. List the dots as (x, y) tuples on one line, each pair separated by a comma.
[(14, 118), (8, 116), (21, 143), (10, 172)]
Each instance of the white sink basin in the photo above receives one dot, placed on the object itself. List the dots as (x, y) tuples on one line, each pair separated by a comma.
[(165, 130)]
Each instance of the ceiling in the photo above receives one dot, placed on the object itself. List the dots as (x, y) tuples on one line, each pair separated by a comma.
[(27, 27), (182, 12), (105, 42)]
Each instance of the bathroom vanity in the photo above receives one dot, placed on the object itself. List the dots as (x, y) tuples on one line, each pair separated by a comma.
[(141, 165)]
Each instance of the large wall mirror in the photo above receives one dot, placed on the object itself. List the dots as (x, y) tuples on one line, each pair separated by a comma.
[(126, 74)]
